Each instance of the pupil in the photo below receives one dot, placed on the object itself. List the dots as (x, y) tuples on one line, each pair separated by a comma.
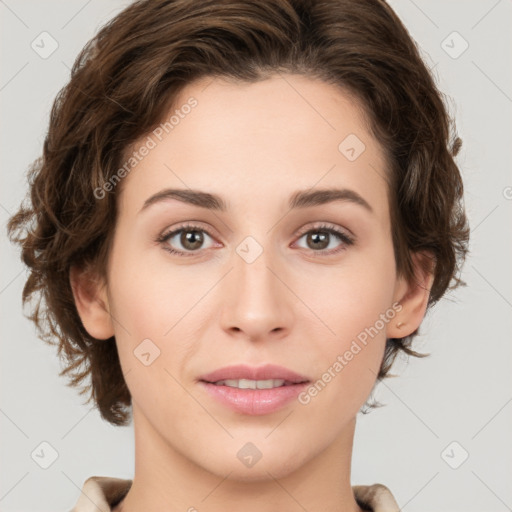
[(320, 236), (192, 239)]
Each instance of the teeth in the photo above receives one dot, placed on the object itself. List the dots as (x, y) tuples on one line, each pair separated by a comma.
[(251, 384)]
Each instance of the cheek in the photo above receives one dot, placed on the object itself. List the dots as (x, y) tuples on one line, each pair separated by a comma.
[(352, 297), (153, 335), (158, 312), (347, 363), (149, 294), (354, 305)]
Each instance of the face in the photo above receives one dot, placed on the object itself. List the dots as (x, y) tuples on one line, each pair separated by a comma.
[(262, 281)]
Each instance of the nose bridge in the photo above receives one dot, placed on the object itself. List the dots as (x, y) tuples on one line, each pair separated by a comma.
[(259, 302)]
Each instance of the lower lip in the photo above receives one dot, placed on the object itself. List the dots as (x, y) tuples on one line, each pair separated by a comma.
[(254, 401)]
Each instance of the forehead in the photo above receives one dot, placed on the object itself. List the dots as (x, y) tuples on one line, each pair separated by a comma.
[(261, 141)]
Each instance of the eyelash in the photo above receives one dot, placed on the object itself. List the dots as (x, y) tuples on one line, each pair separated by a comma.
[(346, 239)]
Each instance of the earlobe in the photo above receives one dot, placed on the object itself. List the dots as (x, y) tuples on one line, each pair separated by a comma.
[(413, 297), (91, 301)]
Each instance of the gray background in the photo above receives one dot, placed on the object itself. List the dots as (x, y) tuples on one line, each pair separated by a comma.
[(461, 393)]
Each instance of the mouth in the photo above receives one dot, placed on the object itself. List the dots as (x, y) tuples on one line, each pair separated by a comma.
[(255, 384), (253, 391), (254, 377)]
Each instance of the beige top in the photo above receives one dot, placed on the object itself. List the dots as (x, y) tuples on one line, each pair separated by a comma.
[(101, 493)]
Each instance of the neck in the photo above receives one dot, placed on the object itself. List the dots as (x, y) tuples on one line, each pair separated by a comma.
[(166, 480)]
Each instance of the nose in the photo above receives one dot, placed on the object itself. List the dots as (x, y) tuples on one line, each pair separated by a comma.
[(257, 302)]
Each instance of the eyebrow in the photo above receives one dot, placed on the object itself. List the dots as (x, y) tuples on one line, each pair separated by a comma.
[(299, 199)]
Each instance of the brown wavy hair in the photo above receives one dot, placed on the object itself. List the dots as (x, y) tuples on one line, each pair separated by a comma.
[(125, 80)]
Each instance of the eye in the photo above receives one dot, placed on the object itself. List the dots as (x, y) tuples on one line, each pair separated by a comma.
[(320, 237), (190, 236)]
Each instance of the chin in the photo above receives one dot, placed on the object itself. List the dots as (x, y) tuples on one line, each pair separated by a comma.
[(267, 461)]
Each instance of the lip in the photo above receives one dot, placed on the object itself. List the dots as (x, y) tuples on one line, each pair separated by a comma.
[(254, 402), (241, 371)]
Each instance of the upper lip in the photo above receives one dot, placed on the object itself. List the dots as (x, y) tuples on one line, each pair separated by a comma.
[(266, 372)]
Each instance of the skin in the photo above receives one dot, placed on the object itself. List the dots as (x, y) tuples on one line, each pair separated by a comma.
[(255, 145)]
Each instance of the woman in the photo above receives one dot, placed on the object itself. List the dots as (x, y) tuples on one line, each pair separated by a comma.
[(242, 214)]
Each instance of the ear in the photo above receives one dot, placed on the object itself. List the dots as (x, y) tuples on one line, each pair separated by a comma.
[(412, 296), (90, 294)]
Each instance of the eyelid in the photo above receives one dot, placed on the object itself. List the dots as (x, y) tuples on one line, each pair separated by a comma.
[(185, 226), (325, 225)]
